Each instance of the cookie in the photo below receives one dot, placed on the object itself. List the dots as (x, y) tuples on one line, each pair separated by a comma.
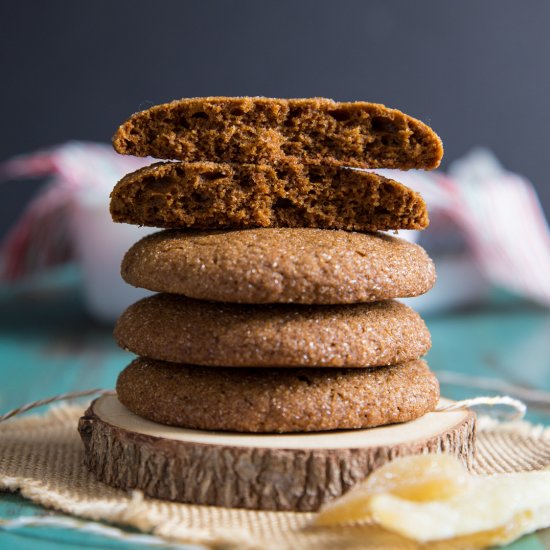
[(238, 196), (276, 400), (182, 330), (263, 130), (307, 266)]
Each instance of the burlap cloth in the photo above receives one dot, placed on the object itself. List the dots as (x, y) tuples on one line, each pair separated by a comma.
[(42, 457)]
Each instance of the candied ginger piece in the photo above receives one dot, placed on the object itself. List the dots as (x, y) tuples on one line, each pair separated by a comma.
[(434, 498), (420, 478)]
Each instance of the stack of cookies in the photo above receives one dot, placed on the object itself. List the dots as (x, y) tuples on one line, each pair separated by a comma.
[(275, 309)]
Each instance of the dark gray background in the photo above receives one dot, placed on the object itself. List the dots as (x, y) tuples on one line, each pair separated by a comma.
[(477, 71)]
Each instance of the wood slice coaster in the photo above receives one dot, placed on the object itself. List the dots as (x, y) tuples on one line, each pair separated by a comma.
[(297, 472)]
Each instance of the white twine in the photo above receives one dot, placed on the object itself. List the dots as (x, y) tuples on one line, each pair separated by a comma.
[(519, 407), (534, 397), (506, 400), (47, 401)]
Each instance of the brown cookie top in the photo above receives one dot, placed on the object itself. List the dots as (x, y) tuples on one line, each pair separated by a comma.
[(307, 266), (182, 330), (238, 196), (262, 130), (276, 400)]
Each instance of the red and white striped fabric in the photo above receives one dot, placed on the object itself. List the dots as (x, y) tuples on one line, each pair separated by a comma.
[(500, 216), (42, 237), (497, 212)]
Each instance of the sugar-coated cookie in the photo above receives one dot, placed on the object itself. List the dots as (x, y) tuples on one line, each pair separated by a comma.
[(277, 400), (179, 329), (307, 266)]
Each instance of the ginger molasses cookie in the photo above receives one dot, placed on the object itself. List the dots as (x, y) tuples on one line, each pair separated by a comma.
[(263, 130), (307, 266), (179, 329), (277, 400), (239, 196)]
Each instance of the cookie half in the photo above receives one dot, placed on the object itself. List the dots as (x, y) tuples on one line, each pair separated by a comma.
[(238, 196), (182, 330), (307, 266), (263, 130), (277, 400)]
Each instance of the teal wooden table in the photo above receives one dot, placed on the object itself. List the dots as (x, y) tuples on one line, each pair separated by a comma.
[(49, 345)]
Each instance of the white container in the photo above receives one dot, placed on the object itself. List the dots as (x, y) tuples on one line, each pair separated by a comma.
[(100, 245)]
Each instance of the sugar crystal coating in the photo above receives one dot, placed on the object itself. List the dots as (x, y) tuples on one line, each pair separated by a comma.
[(175, 328), (309, 266), (276, 400)]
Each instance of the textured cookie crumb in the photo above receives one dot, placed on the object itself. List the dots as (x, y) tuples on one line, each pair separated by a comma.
[(210, 195), (277, 400), (263, 130)]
